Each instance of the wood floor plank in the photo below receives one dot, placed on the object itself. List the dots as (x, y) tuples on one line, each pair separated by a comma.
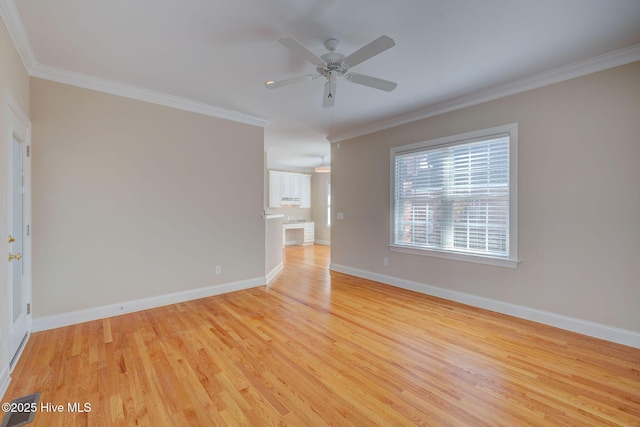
[(319, 348)]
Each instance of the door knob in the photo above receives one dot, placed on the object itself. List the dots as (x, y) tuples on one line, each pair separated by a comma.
[(11, 239), (17, 257)]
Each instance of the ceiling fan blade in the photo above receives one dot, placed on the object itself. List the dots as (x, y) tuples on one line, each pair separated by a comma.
[(329, 97), (272, 84), (302, 51), (374, 48), (373, 82)]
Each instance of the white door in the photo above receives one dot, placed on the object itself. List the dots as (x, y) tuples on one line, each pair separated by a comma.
[(19, 233)]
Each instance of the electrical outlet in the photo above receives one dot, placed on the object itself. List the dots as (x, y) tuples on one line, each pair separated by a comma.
[(385, 262), (218, 269)]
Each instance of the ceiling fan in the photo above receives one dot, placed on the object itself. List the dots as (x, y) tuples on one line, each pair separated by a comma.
[(333, 65)]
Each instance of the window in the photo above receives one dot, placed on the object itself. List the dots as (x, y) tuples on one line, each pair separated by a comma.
[(455, 197), (328, 203)]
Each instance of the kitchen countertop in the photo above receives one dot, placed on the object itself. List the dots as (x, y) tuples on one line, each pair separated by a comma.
[(296, 224), (272, 216)]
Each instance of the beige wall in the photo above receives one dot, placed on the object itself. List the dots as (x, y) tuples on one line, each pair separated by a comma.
[(579, 200), (133, 200), (273, 244), (319, 205), (14, 80)]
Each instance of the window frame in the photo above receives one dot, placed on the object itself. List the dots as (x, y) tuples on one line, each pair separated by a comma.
[(511, 260)]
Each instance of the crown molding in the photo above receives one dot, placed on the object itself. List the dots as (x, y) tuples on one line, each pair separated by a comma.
[(114, 88), (557, 75), (13, 22)]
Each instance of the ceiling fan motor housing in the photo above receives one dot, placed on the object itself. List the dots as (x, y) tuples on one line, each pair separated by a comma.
[(334, 62)]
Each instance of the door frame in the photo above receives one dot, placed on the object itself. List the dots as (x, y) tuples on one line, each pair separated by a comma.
[(18, 125)]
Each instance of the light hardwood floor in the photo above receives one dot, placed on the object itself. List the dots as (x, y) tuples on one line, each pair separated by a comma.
[(316, 348)]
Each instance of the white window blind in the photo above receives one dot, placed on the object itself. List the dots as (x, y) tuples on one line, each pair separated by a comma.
[(454, 197)]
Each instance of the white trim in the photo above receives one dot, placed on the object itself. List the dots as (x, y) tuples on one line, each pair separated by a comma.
[(95, 313), (510, 261), (478, 259), (18, 34), (273, 273), (5, 379), (13, 105), (556, 75), (584, 327), (16, 357), (13, 23), (322, 242), (17, 125), (133, 92)]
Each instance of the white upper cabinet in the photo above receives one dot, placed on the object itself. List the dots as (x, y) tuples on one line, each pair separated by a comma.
[(275, 189), (289, 189)]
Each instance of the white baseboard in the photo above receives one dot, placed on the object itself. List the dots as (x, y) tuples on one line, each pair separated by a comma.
[(79, 316), (597, 330), (5, 379), (273, 273), (323, 242)]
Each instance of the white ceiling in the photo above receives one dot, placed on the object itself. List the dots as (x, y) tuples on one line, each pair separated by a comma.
[(218, 53)]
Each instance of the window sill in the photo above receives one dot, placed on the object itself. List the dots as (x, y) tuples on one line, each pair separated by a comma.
[(478, 259)]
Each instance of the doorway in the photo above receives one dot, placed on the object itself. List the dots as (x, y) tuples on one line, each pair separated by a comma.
[(18, 186)]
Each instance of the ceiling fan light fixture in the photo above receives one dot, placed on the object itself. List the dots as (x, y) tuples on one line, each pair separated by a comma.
[(323, 168)]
